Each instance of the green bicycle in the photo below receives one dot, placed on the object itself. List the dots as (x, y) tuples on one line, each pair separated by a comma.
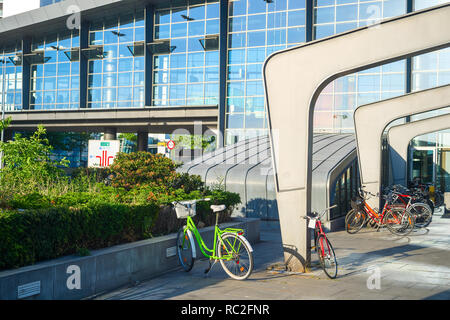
[(230, 247)]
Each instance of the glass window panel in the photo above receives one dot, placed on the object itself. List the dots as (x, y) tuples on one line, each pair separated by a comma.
[(139, 78), (237, 24), (194, 44), (196, 28), (197, 13), (296, 18), (254, 120), (424, 80), (63, 96), (238, 7), (212, 74), (296, 35), (392, 8), (235, 105), (212, 58), (63, 83), (75, 82), (139, 34), (254, 71), (276, 36), (346, 13), (324, 15), (179, 30), (212, 11), (211, 89), (178, 76), (443, 78), (277, 5), (256, 55), (365, 98), (178, 45), (95, 66), (125, 93), (177, 15), (368, 83), (235, 88), (125, 64), (323, 31), (256, 38), (162, 16), (296, 4), (236, 72), (236, 40), (253, 104), (109, 80), (196, 59), (110, 51), (110, 65), (139, 63), (392, 82), (195, 90), (195, 75), (177, 61), (213, 26), (125, 79), (257, 22), (125, 35), (370, 11), (254, 88), (256, 7), (235, 121), (109, 94), (236, 56), (162, 32), (49, 83), (276, 20)]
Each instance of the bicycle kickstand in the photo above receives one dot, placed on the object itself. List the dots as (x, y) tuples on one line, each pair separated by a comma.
[(210, 267)]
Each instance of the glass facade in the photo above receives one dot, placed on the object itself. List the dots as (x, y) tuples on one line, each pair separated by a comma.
[(55, 72), (337, 102), (116, 77), (189, 73), (11, 79), (48, 2), (256, 29)]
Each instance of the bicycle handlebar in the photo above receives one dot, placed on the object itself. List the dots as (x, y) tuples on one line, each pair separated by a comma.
[(323, 212), (191, 201)]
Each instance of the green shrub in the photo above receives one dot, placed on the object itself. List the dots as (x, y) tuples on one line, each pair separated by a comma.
[(39, 234), (141, 168)]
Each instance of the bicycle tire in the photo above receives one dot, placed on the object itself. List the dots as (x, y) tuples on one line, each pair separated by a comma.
[(422, 214), (438, 199), (399, 222), (328, 262), (354, 221), (240, 264), (185, 251)]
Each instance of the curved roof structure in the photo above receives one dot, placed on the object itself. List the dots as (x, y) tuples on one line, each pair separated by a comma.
[(246, 168)]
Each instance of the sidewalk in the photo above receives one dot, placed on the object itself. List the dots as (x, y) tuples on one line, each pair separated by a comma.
[(413, 267)]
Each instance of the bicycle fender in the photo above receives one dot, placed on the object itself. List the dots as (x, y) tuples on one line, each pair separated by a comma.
[(246, 242), (194, 248)]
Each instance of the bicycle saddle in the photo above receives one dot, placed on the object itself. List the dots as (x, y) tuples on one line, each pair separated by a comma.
[(218, 208)]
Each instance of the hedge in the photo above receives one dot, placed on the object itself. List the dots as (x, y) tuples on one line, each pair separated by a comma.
[(39, 234)]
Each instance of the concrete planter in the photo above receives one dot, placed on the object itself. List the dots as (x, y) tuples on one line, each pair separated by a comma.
[(75, 277)]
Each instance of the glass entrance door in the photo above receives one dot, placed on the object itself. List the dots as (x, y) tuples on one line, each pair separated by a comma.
[(423, 160), (443, 170)]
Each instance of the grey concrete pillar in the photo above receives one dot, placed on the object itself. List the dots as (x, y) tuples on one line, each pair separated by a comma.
[(294, 79), (110, 134), (142, 141), (400, 136)]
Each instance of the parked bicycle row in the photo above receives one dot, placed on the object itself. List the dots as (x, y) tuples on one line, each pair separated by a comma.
[(403, 210)]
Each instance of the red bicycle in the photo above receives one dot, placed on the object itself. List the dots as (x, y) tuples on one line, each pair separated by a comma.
[(322, 245)]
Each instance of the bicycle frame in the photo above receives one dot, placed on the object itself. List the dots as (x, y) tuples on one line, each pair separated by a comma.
[(207, 252)]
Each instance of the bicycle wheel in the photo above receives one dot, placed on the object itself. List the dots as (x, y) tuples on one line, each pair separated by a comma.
[(399, 221), (354, 221), (422, 214), (327, 258), (235, 256), (438, 199), (185, 250)]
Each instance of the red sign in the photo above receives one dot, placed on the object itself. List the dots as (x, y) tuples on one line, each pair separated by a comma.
[(104, 159), (170, 144)]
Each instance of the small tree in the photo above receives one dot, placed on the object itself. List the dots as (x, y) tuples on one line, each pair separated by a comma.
[(27, 161)]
